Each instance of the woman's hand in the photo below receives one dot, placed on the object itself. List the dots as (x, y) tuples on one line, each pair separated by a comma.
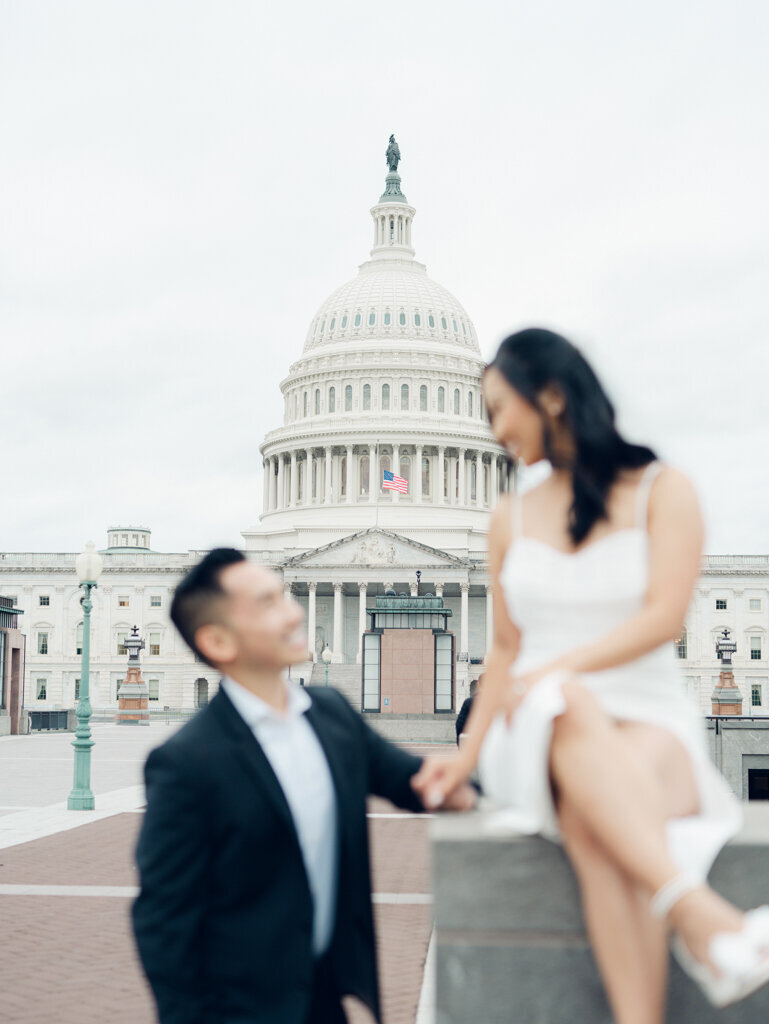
[(519, 687), (441, 778)]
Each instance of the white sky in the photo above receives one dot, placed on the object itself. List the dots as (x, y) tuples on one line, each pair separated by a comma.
[(183, 183)]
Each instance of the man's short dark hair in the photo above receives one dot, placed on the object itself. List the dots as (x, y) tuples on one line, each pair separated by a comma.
[(195, 598)]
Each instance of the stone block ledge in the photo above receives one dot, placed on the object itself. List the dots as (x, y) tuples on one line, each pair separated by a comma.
[(511, 946)]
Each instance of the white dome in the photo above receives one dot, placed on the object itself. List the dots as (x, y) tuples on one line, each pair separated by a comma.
[(391, 299)]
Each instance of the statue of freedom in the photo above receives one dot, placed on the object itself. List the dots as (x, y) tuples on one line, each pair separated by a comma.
[(393, 155)]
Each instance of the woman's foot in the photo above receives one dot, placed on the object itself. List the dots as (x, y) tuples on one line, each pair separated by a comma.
[(699, 916)]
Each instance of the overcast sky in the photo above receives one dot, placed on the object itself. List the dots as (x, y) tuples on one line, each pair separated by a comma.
[(183, 183)]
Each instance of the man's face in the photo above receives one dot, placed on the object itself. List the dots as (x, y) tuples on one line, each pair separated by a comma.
[(261, 626)]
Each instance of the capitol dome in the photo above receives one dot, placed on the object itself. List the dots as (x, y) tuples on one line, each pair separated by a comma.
[(388, 381)]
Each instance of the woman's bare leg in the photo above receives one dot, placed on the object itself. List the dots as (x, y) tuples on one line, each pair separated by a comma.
[(617, 798), (630, 947)]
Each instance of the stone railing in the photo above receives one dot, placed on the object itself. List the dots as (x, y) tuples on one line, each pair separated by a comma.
[(510, 941)]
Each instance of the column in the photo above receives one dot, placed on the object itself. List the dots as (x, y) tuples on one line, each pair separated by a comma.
[(273, 485), (294, 481), (440, 473), (479, 479), (396, 468), (489, 621), (351, 477), (417, 474), (281, 482), (494, 480), (308, 478), (462, 470), (464, 616), (328, 475), (373, 473), (337, 650), (266, 486), (311, 588), (361, 618)]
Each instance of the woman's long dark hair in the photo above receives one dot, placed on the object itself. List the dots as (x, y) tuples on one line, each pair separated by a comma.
[(534, 359)]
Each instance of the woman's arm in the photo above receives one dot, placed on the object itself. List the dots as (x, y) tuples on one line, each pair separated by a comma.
[(439, 777), (675, 548)]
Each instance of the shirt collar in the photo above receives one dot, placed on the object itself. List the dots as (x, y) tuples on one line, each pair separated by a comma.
[(254, 710)]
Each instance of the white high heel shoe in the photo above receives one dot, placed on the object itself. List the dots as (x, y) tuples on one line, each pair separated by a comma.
[(740, 959)]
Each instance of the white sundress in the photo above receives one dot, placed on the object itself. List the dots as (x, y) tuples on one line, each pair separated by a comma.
[(560, 601)]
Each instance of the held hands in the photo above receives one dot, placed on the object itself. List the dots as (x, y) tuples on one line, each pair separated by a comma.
[(442, 782)]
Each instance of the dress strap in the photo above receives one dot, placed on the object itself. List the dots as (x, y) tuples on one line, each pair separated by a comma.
[(643, 490)]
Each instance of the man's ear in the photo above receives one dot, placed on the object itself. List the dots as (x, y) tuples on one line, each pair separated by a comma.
[(216, 642)]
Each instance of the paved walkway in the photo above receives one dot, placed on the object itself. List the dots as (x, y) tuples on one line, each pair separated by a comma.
[(67, 879)]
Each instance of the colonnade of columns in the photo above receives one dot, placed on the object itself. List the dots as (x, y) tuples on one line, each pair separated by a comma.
[(335, 474)]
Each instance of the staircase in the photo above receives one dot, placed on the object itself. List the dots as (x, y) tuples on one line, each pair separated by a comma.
[(345, 678)]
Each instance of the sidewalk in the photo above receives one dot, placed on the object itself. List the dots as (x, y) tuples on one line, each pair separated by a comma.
[(67, 880)]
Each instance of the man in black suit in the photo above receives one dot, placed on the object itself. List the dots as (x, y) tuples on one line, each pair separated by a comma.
[(255, 901)]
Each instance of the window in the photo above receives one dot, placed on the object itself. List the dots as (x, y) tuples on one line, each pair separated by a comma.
[(77, 689), (366, 396), (720, 604), (469, 403), (45, 600), (425, 476), (404, 396), (681, 645), (155, 601), (304, 404), (317, 401), (121, 638), (79, 638), (456, 330), (387, 319), (153, 686), (456, 401), (423, 398), (385, 396), (343, 477), (41, 689), (384, 466), (300, 486), (122, 601), (755, 604), (402, 319), (356, 322), (364, 473), (755, 695), (348, 398), (444, 672), (371, 318), (332, 325), (405, 471), (444, 325), (344, 321), (755, 648), (417, 320), (42, 643), (154, 644), (371, 642), (473, 481), (431, 321), (332, 399), (441, 399)]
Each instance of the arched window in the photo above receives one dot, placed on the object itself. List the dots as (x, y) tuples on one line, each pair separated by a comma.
[(456, 401), (392, 230), (343, 477), (473, 481), (300, 481), (344, 321), (387, 319), (481, 408), (425, 476), (423, 398), (441, 399), (348, 398), (323, 327), (405, 471), (332, 325), (371, 318), (445, 476), (402, 319), (384, 466), (404, 396), (431, 321), (417, 320), (304, 404), (469, 403), (332, 399), (317, 401), (385, 396), (314, 480), (681, 644), (357, 320), (486, 481), (364, 474), (456, 330), (366, 396), (444, 325)]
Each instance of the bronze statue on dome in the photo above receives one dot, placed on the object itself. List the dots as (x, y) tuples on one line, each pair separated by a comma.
[(393, 155)]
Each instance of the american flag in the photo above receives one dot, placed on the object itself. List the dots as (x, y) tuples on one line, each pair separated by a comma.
[(392, 482)]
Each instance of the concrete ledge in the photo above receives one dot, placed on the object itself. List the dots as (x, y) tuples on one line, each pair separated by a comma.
[(414, 728), (510, 941)]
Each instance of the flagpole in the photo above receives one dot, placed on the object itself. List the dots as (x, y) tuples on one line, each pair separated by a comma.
[(378, 486)]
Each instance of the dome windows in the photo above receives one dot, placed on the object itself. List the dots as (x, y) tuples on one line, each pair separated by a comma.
[(387, 319), (371, 318), (402, 319), (304, 403), (366, 396), (464, 329), (363, 475), (417, 320), (431, 321), (344, 321), (469, 403), (317, 401), (444, 323), (356, 322), (423, 398), (322, 326), (385, 396), (332, 325), (456, 401), (332, 399), (441, 399), (456, 329), (404, 396), (348, 398)]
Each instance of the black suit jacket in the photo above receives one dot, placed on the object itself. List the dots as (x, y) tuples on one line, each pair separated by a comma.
[(223, 920)]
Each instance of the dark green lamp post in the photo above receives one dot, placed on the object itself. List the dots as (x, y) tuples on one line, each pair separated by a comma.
[(326, 656), (88, 566)]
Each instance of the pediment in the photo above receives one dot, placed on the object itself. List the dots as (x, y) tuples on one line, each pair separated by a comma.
[(375, 548)]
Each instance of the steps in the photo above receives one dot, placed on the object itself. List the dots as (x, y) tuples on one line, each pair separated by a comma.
[(345, 678)]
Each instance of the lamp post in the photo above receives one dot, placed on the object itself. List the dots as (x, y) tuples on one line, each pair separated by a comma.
[(88, 566), (419, 579), (327, 656)]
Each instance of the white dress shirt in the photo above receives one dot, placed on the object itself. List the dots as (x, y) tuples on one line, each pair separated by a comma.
[(297, 758)]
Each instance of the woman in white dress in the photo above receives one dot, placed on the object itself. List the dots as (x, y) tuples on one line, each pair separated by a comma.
[(582, 728)]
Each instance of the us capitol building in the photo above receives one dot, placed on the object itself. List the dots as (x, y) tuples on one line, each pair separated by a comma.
[(388, 381)]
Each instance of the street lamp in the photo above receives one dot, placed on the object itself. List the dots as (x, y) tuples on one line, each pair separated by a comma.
[(327, 656), (88, 566), (419, 580)]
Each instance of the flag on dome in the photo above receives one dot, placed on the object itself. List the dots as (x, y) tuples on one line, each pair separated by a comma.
[(392, 482)]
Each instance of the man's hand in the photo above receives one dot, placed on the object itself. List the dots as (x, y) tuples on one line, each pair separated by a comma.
[(463, 798), (441, 779)]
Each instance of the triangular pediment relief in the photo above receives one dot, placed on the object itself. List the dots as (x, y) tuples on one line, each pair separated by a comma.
[(374, 548)]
